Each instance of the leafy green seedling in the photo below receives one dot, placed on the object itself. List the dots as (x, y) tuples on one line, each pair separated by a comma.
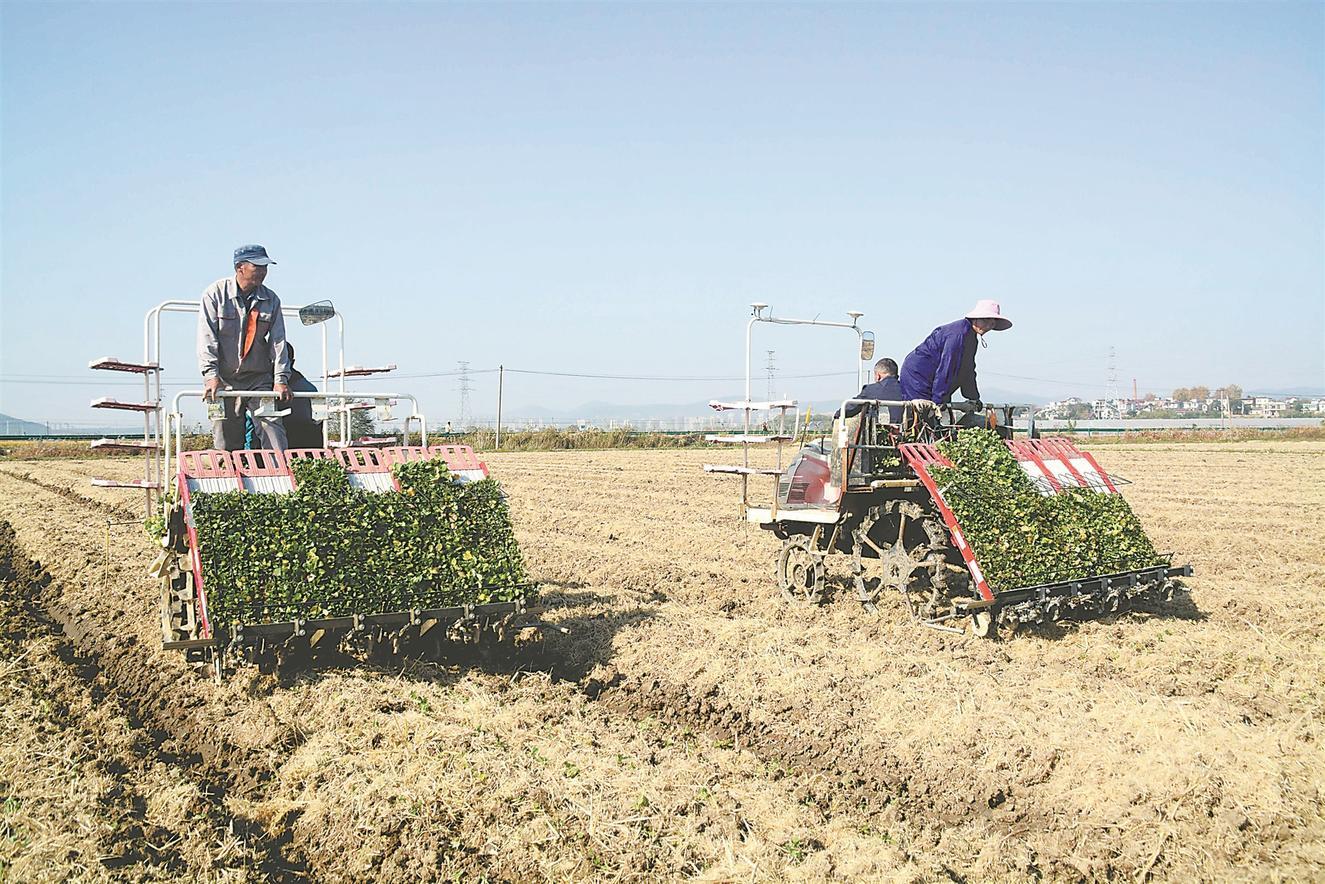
[(331, 550), (1024, 538)]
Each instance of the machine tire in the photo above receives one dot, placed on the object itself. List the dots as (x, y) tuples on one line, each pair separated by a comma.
[(984, 624), (800, 571)]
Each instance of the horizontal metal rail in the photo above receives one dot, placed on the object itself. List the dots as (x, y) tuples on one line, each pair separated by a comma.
[(242, 633), (1087, 586), (175, 418)]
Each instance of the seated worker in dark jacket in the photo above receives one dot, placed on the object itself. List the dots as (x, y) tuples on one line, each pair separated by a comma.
[(885, 387), (300, 429), (945, 361)]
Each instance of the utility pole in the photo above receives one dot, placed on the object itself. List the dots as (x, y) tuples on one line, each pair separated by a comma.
[(501, 377), (465, 390), (771, 368)]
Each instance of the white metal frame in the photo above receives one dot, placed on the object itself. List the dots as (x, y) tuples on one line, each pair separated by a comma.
[(161, 429), (758, 311), (175, 418), (748, 406)]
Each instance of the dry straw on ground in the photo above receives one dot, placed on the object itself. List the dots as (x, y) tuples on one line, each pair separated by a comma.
[(693, 725)]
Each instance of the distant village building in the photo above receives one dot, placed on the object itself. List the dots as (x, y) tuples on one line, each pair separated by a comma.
[(1074, 408), (1265, 406)]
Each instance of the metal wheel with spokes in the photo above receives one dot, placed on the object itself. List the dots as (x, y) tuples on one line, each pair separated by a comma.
[(801, 571), (899, 565), (984, 624)]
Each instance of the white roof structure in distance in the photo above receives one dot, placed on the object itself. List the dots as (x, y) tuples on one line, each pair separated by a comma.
[(359, 371), (748, 405), (108, 402)]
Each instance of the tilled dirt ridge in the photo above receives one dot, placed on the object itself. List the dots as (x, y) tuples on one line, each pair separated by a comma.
[(328, 763), (827, 768), (115, 510), (1110, 749), (707, 726), (149, 816), (164, 698)]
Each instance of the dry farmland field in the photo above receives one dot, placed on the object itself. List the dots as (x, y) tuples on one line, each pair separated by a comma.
[(690, 724)]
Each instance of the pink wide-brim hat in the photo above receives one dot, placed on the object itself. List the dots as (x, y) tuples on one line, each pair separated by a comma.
[(990, 310)]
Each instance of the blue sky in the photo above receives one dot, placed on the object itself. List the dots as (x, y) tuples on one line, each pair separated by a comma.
[(603, 189)]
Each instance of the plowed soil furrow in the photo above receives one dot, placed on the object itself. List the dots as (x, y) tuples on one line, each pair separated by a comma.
[(91, 602), (1180, 742), (439, 772), (88, 790), (77, 493), (99, 606), (996, 741)]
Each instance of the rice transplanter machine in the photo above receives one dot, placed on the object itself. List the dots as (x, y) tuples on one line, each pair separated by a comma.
[(173, 477), (865, 494)]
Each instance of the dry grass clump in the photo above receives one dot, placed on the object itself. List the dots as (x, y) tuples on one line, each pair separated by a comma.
[(81, 795), (559, 439), (1232, 434), (767, 741), (432, 773), (42, 449)]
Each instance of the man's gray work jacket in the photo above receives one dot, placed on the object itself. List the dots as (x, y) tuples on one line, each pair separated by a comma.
[(221, 323)]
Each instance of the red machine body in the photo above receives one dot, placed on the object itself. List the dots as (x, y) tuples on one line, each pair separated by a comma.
[(807, 481)]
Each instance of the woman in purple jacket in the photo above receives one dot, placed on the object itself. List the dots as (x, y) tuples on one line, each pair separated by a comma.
[(945, 361)]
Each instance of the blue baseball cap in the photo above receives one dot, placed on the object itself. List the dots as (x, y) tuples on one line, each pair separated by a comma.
[(253, 255)]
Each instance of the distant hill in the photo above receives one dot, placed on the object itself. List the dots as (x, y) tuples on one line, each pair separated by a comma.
[(12, 426)]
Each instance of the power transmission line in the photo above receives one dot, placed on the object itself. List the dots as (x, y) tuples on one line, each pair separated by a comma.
[(638, 377), (93, 382)]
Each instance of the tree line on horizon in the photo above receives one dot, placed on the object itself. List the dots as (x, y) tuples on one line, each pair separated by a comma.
[(1231, 392)]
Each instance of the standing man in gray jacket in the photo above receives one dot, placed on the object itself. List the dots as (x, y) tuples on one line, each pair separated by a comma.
[(241, 346)]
